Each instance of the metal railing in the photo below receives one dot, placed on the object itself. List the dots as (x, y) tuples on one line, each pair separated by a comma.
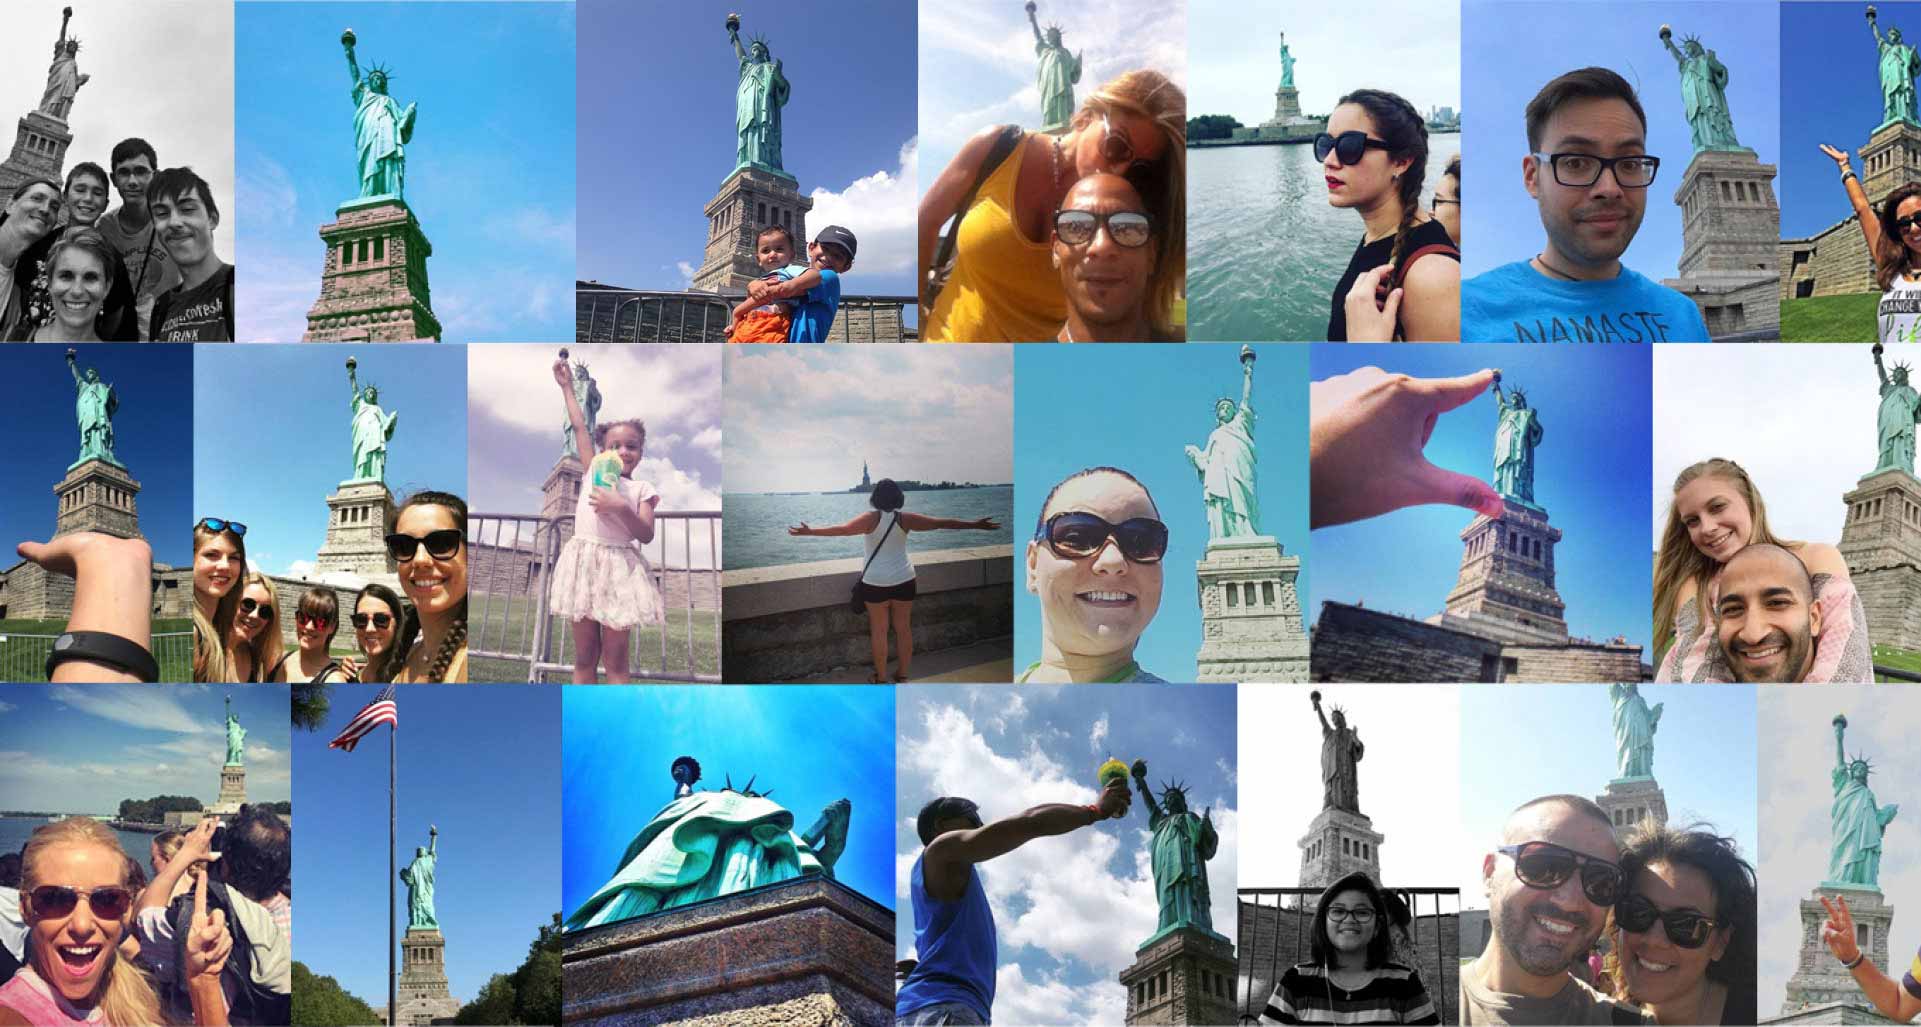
[(638, 315), (23, 657), (1283, 918), (513, 623), (1895, 674)]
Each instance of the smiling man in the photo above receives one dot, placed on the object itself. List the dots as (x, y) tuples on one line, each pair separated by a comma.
[(200, 308), (129, 228), (1103, 249), (1766, 620), (1589, 170)]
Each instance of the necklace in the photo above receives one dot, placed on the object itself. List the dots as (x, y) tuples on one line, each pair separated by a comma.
[(1551, 269)]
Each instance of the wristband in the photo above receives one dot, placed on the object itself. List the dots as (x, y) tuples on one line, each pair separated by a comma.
[(103, 648), (1096, 810), (1847, 173), (1858, 957)]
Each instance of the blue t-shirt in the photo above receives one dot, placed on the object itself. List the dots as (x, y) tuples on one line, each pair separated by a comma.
[(957, 948), (1515, 303), (814, 312)]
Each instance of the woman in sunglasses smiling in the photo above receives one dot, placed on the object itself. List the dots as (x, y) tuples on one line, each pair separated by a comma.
[(1894, 248), (316, 621), (1684, 930), (429, 544), (1095, 564), (256, 647), (382, 629)]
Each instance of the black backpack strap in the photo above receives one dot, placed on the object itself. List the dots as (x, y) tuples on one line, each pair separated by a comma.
[(877, 545)]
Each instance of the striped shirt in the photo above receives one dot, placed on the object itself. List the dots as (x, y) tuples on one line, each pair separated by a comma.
[(1306, 995)]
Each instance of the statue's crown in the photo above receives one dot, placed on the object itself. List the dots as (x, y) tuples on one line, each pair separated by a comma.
[(382, 70), (1862, 762), (1174, 787)]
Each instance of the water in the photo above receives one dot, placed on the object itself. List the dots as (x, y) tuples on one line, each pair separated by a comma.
[(14, 832), (755, 525), (1264, 247)]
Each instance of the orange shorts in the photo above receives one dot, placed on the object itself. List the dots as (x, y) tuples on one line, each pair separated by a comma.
[(761, 326)]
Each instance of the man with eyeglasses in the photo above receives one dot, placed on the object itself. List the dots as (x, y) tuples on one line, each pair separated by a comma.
[(1549, 884), (1589, 170), (1103, 249)]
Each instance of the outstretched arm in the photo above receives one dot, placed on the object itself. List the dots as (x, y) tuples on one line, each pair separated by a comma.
[(860, 525), (1667, 42), (74, 369), (1032, 22), (1888, 995), (1840, 752), (353, 66), (733, 36), (922, 522), (978, 845), (1247, 384), (1879, 371), (583, 439), (1858, 199)]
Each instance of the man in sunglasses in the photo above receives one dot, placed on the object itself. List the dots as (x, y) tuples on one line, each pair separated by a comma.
[(953, 981), (1103, 249), (1549, 884), (1589, 170), (1765, 619)]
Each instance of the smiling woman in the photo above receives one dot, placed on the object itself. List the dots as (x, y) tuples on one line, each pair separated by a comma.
[(429, 544), (1095, 564)]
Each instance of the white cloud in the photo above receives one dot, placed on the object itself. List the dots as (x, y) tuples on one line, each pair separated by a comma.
[(7, 707), (687, 272), (708, 439), (1227, 771), (1098, 734), (534, 226), (155, 709), (882, 210), (1048, 1000), (300, 569), (1012, 708)]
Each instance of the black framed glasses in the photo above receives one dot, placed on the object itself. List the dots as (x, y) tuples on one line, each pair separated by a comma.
[(1438, 202), (1546, 866), (58, 900), (1362, 915), (1126, 227), (1580, 170), (216, 525), (1076, 535), (1685, 927), (379, 620), (441, 545), (1348, 147), (255, 608)]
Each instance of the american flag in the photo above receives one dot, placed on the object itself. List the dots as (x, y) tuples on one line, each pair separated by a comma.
[(380, 711)]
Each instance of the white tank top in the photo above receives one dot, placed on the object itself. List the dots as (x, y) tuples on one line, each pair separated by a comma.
[(1899, 315), (890, 566)]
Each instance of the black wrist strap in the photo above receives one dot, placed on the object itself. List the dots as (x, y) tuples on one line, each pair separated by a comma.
[(1858, 957), (100, 647)]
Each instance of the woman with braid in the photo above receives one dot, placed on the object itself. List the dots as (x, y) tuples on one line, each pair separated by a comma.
[(429, 545), (1374, 156)]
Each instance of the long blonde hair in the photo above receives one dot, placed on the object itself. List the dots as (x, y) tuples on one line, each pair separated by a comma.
[(267, 646), (210, 661), (1680, 561), (1155, 97), (125, 997)]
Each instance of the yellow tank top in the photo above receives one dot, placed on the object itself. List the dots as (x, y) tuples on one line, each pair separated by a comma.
[(1003, 288)]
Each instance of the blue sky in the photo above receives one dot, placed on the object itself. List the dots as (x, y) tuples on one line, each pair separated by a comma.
[(1831, 74), (659, 139), (1520, 742), (83, 748), (621, 741), (152, 438), (490, 171), (272, 436), (1588, 472), (1498, 78), (1135, 407), (483, 765), (1069, 911)]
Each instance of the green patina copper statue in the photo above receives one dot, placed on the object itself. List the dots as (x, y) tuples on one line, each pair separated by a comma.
[(94, 405), (1857, 822), (63, 75), (1899, 65), (587, 394), (703, 845), (1287, 64), (1060, 69), (1226, 466), (1514, 442), (760, 93), (373, 428), (236, 736), (1894, 422), (1182, 845), (1634, 725), (418, 876), (1704, 97), (382, 128), (1341, 752)]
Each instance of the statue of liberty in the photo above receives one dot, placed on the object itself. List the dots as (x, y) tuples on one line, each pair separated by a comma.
[(1287, 64), (1226, 466), (587, 394), (95, 402), (1634, 725), (1704, 96), (1060, 69), (1899, 64), (760, 93), (1894, 422), (1857, 822), (236, 736), (418, 876), (372, 429), (63, 75), (1514, 441), (1182, 845), (382, 128)]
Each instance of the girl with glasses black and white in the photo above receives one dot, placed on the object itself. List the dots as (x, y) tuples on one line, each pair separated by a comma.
[(1351, 975)]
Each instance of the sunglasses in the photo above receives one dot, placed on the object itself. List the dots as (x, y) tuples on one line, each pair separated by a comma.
[(1127, 228), (441, 544), (1547, 866), (1348, 147), (258, 609), (310, 620), (1905, 223), (1075, 535), (1685, 928), (216, 525), (1439, 202), (56, 900), (379, 620)]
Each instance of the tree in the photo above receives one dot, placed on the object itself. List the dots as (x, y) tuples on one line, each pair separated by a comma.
[(531, 994), (321, 1002), (155, 810), (310, 705), (495, 1004), (1212, 126)]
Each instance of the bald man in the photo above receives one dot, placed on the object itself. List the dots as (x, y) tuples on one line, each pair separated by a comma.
[(1549, 886), (1765, 620)]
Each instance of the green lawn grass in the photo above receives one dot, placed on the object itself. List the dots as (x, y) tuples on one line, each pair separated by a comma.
[(1898, 659), (1848, 318), (488, 627)]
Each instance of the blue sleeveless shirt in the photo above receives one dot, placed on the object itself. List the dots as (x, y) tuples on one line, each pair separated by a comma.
[(957, 948)]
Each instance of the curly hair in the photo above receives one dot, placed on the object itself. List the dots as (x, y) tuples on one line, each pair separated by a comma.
[(1732, 879), (601, 430)]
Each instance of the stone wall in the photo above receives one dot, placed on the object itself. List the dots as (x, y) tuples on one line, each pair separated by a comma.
[(1575, 661), (29, 593), (793, 621), (1352, 643), (1831, 262)]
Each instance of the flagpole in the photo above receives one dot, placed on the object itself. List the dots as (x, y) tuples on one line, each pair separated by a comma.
[(392, 1008)]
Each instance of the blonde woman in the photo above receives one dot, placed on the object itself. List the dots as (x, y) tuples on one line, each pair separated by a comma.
[(256, 643), (219, 564)]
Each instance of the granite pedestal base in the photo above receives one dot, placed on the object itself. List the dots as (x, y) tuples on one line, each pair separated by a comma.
[(1250, 612), (1881, 542), (1338, 843), (373, 286), (359, 517), (97, 496), (1818, 978), (1630, 802), (39, 151), (1185, 976), (421, 993), (749, 200)]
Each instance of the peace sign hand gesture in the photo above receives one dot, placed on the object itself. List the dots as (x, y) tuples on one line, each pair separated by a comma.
[(1838, 931)]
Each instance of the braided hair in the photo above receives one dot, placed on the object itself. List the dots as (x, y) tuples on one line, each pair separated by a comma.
[(1405, 132), (455, 641)]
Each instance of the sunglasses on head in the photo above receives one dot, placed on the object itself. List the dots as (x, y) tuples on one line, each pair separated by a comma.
[(314, 620), (1075, 535), (1686, 928), (256, 608), (379, 620), (216, 525), (440, 544), (1546, 866), (1348, 147), (58, 900), (1126, 227)]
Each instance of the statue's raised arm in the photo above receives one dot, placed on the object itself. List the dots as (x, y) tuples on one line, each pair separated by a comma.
[(1667, 42), (1880, 372), (1154, 811), (80, 383), (353, 65), (1035, 24), (733, 36)]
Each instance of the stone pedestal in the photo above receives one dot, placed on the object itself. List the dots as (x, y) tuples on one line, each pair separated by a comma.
[(1185, 976), (749, 200), (560, 492), (1287, 104), (1631, 801), (1881, 542), (1890, 160), (1506, 586), (97, 496), (1818, 978), (373, 287), (1339, 843), (1250, 614), (810, 950), (359, 517), (421, 993), (233, 789), (39, 151), (1731, 239)]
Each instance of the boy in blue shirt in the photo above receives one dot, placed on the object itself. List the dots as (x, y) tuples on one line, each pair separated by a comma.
[(817, 289)]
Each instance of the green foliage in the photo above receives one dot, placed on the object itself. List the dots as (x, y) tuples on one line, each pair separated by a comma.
[(1211, 126), (320, 1002), (495, 1004), (530, 994), (1848, 318), (1896, 659), (155, 810), (310, 704), (285, 809)]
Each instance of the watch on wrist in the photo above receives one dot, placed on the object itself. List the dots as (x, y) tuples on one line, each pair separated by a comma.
[(1856, 961), (103, 648)]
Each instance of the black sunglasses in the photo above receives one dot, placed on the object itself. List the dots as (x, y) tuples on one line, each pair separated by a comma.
[(440, 544), (1075, 535), (216, 525), (1685, 927), (1905, 223), (1126, 227), (380, 620), (249, 606), (1546, 866), (56, 900), (1348, 147)]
